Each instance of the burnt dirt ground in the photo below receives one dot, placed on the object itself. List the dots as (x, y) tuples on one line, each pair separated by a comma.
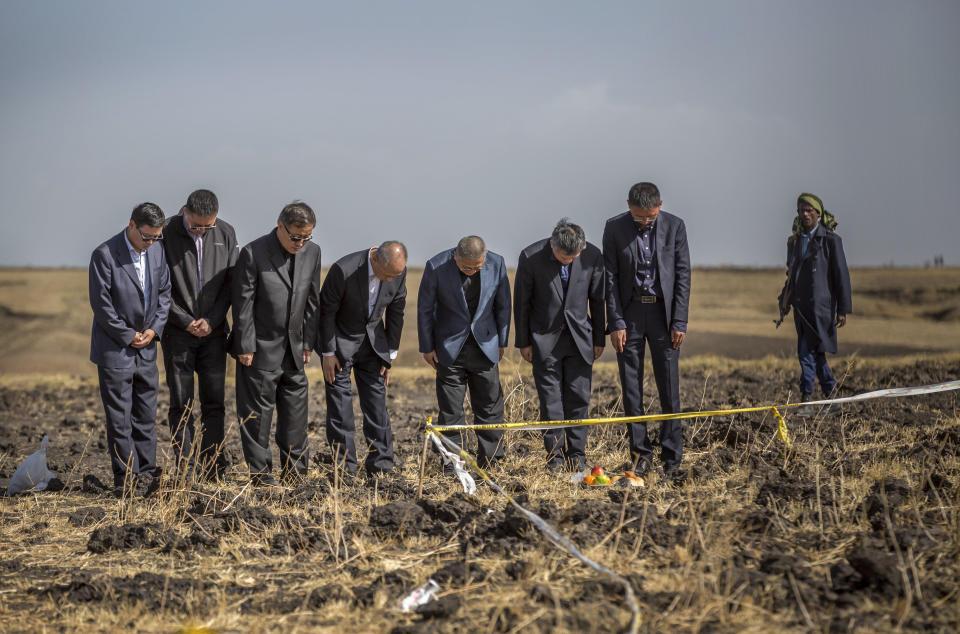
[(855, 527)]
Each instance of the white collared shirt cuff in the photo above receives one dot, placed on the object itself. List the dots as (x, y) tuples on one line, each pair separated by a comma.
[(328, 354), (393, 354)]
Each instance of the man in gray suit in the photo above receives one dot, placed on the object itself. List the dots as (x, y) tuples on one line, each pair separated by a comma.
[(361, 291), (275, 295), (463, 323), (558, 310), (648, 293), (201, 251), (130, 298)]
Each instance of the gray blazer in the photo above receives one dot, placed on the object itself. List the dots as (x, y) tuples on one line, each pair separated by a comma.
[(541, 310), (344, 322), (272, 313), (673, 266), (443, 318), (118, 307)]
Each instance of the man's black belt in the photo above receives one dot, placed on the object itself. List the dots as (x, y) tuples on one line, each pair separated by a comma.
[(646, 299)]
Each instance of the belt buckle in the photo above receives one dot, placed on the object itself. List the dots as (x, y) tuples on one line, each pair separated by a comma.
[(648, 299)]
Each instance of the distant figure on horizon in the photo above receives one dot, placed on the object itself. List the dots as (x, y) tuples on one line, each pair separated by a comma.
[(648, 295), (130, 298), (817, 271), (558, 310), (463, 325), (361, 317), (201, 251), (276, 291)]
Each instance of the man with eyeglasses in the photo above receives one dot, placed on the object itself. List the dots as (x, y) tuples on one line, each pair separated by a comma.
[(817, 272), (276, 291), (648, 294), (201, 251), (361, 318), (463, 323), (130, 297)]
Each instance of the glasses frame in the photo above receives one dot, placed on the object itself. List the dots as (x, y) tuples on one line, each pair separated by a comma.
[(193, 228), (157, 238), (293, 238)]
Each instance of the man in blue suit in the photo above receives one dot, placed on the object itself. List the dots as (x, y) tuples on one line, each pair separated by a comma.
[(463, 321), (130, 297), (648, 294)]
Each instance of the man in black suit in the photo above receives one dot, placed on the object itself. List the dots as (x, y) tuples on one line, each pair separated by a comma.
[(360, 291), (201, 251), (275, 297), (558, 312), (648, 294)]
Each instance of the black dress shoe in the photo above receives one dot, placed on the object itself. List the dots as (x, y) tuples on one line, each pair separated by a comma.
[(806, 411), (576, 463), (293, 478), (673, 474), (638, 464), (263, 480), (489, 464), (146, 485), (555, 466)]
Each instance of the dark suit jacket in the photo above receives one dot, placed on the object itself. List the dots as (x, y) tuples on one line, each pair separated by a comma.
[(344, 323), (821, 285), (271, 313), (673, 266), (219, 256), (443, 318), (540, 309), (117, 301)]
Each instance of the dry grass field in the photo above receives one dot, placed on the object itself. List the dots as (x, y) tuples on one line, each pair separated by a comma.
[(854, 527), (45, 317)]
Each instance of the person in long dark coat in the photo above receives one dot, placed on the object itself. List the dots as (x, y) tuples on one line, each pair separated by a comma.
[(821, 295)]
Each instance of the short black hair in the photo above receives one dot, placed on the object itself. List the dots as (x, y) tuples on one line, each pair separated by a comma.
[(203, 203), (298, 214), (568, 238), (147, 215), (644, 196)]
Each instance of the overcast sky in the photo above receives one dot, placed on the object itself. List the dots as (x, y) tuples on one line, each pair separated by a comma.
[(428, 121)]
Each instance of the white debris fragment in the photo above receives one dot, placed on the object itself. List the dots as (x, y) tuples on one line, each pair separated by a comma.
[(32, 472), (421, 596)]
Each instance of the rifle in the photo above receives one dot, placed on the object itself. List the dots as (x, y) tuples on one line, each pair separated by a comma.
[(785, 299)]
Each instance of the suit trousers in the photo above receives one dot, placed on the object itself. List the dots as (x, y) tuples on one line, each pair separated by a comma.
[(258, 393), (366, 366), (129, 398), (183, 356), (813, 363), (647, 324), (474, 370), (563, 386)]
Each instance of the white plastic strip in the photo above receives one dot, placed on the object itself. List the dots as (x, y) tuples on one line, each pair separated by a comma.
[(558, 540), (458, 463), (895, 392)]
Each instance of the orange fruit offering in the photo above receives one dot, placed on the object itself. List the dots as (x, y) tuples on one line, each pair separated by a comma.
[(590, 479)]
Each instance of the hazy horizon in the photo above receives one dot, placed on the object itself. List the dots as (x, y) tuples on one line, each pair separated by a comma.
[(427, 121)]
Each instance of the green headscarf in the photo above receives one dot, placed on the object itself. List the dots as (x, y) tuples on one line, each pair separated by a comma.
[(827, 219), (812, 200)]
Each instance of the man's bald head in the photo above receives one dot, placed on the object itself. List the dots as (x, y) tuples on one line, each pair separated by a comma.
[(389, 260)]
